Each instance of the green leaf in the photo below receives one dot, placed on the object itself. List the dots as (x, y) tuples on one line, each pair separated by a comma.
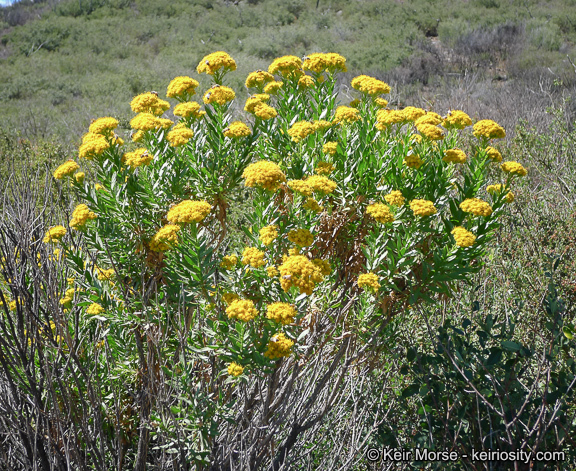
[(568, 332), (511, 346)]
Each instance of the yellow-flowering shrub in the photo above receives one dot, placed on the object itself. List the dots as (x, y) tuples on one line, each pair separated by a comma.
[(189, 211)]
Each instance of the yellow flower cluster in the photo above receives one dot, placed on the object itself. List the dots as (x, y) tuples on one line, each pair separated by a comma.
[(137, 158), (92, 146), (258, 79), (273, 87), (242, 309), (103, 125), (345, 114), (79, 177), (211, 63), (94, 309), (301, 237), (265, 174), (456, 156), (237, 130), (234, 369), (149, 103), (330, 148), (413, 161), (228, 262), (272, 272), (286, 66), (463, 237), (369, 281), (385, 118), (253, 257), (476, 206), (165, 238), (149, 122), (278, 347), (265, 112), (301, 130), (253, 101), (68, 297), (324, 168), (320, 62), (499, 188), (182, 87), (66, 169), (300, 186), (282, 313), (423, 207), (105, 274), (370, 85), (189, 109), (323, 265), (219, 94), (54, 234), (488, 129), (80, 216), (430, 131), (380, 212), (229, 298), (456, 119), (312, 205), (412, 113), (297, 270), (321, 184), (189, 211), (322, 125), (268, 234), (493, 154), (381, 102), (305, 82), (395, 198), (179, 136), (514, 168)]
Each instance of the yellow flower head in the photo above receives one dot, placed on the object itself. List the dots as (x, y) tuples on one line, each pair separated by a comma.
[(286, 66), (381, 102), (312, 205), (493, 154), (92, 146), (319, 62), (430, 131), (330, 148), (219, 94), (301, 237), (212, 63), (149, 122), (80, 216), (488, 129), (456, 156), (323, 265), (253, 257), (514, 168), (105, 275), (499, 188), (272, 272), (456, 119), (264, 111), (463, 237), (94, 309), (300, 186), (182, 87), (385, 118), (189, 109), (301, 130), (189, 211), (234, 369), (345, 114), (253, 101), (229, 298), (237, 130), (322, 125), (273, 87), (258, 79), (149, 103), (423, 207), (283, 313), (412, 114), (413, 161), (264, 174), (54, 234), (228, 262), (368, 282), (79, 177), (137, 158), (429, 118), (297, 270), (179, 136), (305, 82), (268, 234), (370, 86), (242, 309), (324, 168), (380, 212), (395, 198), (103, 125), (321, 184), (66, 169), (278, 347), (165, 238), (476, 206)]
